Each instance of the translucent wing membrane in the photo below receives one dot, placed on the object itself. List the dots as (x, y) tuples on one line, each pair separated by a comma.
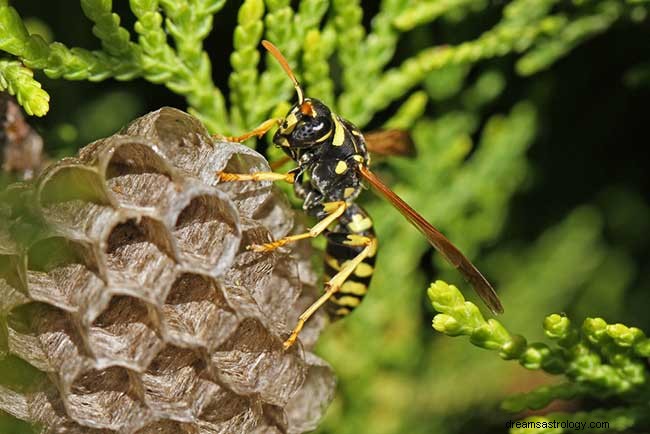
[(390, 142), (439, 242)]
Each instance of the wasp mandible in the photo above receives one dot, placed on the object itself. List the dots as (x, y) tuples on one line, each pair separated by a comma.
[(332, 157)]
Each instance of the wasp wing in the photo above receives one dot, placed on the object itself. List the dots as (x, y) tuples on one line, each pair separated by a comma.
[(389, 142), (439, 242)]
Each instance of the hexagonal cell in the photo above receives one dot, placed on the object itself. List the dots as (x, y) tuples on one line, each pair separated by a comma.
[(41, 406), (105, 399), (230, 413), (137, 175), (124, 334), (142, 190), (80, 220), (131, 157), (207, 233), (62, 273), (177, 385), (275, 214), (307, 406), (252, 361), (317, 322), (182, 137), (252, 269), (139, 255), (195, 313), (249, 278), (68, 181), (250, 196), (274, 420), (44, 336), (280, 293)]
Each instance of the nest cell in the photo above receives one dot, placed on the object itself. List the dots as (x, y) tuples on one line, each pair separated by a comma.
[(138, 176), (207, 233), (176, 384), (132, 158), (252, 269), (196, 314), (71, 182), (106, 399), (275, 214), (62, 273), (228, 412), (140, 255), (124, 334), (307, 406), (249, 197), (252, 361), (45, 337)]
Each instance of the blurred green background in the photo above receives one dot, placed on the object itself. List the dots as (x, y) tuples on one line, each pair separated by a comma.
[(543, 179)]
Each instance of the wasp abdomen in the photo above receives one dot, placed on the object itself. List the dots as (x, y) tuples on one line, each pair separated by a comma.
[(352, 234)]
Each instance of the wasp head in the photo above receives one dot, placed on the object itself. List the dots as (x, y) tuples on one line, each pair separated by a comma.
[(307, 124)]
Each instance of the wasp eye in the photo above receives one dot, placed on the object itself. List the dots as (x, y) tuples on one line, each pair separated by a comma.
[(311, 129)]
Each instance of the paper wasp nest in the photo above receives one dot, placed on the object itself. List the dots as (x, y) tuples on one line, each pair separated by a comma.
[(140, 304)]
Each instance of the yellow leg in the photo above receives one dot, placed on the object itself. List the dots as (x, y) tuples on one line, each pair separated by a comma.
[(331, 288), (334, 209), (262, 129), (259, 176)]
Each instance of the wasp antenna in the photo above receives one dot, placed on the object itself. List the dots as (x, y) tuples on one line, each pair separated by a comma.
[(285, 65)]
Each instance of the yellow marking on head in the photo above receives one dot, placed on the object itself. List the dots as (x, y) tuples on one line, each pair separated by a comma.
[(356, 288), (358, 158), (332, 262), (360, 223), (341, 167), (356, 133), (363, 270), (342, 311), (347, 300), (325, 137), (349, 191), (284, 142), (339, 132), (291, 121)]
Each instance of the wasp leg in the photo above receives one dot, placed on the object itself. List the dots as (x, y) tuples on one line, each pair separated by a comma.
[(262, 129), (259, 176), (334, 284), (281, 162), (334, 211)]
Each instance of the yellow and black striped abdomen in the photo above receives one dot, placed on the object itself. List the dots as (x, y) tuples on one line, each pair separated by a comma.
[(344, 243)]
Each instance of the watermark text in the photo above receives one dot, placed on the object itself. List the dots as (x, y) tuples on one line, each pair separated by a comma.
[(566, 424)]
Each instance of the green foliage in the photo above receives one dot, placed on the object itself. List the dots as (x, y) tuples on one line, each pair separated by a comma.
[(170, 36), (19, 81), (599, 360)]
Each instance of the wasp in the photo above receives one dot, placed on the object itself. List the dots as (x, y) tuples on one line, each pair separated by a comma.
[(332, 158)]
